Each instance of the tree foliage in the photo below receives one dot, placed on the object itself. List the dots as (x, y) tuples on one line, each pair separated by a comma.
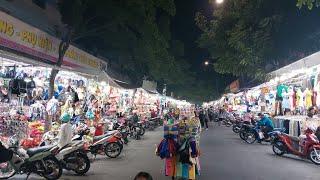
[(246, 36), (309, 3), (134, 34)]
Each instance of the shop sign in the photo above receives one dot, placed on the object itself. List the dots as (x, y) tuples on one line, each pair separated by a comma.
[(19, 36), (234, 86)]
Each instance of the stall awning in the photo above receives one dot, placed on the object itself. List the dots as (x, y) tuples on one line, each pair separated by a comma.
[(307, 62)]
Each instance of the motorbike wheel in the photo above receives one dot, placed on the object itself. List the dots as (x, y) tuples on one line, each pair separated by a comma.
[(250, 137), (6, 170), (242, 134), (83, 163), (228, 123), (142, 131), (236, 129), (314, 156), (113, 149), (53, 168), (278, 148)]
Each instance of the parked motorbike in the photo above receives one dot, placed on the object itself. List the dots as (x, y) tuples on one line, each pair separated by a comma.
[(255, 134), (110, 143), (236, 127), (72, 157), (40, 160), (285, 144)]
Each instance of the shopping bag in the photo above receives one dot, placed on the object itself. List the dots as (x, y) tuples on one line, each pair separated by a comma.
[(261, 136)]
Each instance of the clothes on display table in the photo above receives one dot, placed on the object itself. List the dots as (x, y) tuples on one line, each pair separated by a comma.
[(166, 148), (19, 86), (296, 125), (183, 162)]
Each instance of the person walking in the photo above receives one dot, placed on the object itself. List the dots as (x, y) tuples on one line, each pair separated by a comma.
[(206, 118), (201, 117)]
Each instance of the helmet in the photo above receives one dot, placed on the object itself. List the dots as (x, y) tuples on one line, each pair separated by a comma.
[(65, 117)]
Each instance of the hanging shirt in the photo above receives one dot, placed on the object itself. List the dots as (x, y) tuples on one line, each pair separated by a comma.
[(286, 100), (280, 88)]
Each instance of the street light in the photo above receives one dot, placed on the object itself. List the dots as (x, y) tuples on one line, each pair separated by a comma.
[(219, 1), (206, 63)]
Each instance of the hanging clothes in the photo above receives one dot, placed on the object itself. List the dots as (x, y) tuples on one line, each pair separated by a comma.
[(314, 98), (286, 100), (300, 102), (308, 98)]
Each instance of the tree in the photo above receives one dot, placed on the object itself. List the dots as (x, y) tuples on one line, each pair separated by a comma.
[(244, 37), (134, 34), (309, 3)]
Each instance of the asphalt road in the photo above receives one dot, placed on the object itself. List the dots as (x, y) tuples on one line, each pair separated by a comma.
[(224, 157)]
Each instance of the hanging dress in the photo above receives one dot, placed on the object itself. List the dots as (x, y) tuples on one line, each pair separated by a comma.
[(308, 98)]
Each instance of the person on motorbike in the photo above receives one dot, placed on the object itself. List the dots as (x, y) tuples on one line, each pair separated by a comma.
[(266, 125), (65, 132)]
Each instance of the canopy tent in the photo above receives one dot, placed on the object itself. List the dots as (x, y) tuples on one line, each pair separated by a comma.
[(304, 63)]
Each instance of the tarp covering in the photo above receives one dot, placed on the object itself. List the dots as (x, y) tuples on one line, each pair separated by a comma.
[(307, 62)]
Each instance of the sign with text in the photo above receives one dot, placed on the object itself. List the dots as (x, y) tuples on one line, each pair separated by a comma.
[(19, 36)]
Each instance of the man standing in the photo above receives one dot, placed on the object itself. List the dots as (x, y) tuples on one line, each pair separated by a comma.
[(201, 117), (206, 118)]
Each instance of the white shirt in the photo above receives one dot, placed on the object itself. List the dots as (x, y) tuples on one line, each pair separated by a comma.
[(65, 135)]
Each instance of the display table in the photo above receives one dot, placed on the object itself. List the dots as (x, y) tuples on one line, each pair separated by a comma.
[(295, 125)]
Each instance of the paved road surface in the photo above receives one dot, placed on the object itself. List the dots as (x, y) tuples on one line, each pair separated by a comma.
[(224, 157)]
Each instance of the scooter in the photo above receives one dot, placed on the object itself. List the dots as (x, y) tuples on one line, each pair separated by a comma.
[(255, 134), (40, 160), (285, 144), (72, 157), (110, 143)]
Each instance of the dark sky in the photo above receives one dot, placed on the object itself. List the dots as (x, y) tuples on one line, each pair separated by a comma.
[(185, 30)]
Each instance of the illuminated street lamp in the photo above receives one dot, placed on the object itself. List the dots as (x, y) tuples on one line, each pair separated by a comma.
[(206, 63), (219, 1)]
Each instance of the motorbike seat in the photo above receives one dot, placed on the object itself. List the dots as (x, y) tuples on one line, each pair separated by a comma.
[(96, 138), (33, 151)]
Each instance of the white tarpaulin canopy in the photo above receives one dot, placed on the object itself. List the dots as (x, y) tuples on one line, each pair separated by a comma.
[(305, 63)]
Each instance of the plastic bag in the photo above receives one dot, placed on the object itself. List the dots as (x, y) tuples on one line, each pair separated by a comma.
[(261, 136)]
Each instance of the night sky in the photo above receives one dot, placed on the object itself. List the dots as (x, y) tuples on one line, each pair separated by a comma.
[(185, 30)]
